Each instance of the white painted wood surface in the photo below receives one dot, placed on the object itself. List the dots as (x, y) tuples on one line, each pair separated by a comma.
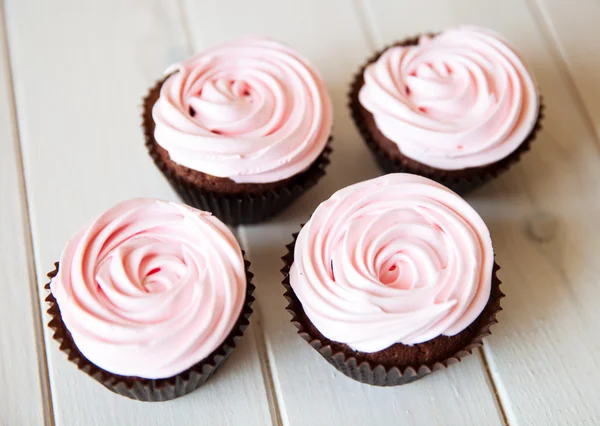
[(543, 221), (305, 383), (573, 27), (80, 73), (22, 375), (79, 69)]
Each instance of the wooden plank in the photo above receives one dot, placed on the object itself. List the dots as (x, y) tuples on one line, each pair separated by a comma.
[(543, 223), (22, 366), (80, 71), (572, 25), (308, 389)]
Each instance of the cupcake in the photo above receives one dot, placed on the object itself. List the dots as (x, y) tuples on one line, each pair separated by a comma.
[(150, 298), (241, 129), (459, 107), (393, 278)]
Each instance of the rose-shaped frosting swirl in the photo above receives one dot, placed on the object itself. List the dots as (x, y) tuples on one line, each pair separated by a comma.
[(252, 110), (150, 288), (460, 99), (397, 259)]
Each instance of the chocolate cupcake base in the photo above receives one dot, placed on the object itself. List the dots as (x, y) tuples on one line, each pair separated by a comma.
[(391, 160), (139, 388), (234, 204), (399, 364)]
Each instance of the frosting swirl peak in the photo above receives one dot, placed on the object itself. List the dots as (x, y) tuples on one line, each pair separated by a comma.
[(457, 100), (397, 259), (251, 110), (150, 288)]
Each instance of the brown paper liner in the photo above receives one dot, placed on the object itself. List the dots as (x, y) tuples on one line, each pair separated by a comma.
[(140, 388), (233, 209), (460, 181), (352, 363)]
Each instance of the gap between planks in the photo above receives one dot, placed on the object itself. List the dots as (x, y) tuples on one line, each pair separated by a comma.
[(373, 40), (187, 34), (36, 305), (496, 392), (366, 23), (544, 25), (274, 398), (369, 33)]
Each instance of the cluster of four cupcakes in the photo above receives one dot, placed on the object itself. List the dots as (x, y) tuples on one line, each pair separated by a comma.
[(389, 280)]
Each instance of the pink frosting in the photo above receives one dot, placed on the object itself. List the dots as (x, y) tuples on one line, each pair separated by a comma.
[(252, 110), (150, 288), (461, 99), (397, 259)]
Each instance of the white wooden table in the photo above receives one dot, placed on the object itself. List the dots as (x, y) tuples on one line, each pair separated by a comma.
[(72, 75)]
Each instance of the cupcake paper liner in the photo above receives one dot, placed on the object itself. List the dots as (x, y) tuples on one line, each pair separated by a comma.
[(139, 388), (378, 374), (460, 185), (234, 209)]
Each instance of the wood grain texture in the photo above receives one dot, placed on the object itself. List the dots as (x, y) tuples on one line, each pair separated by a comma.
[(80, 71), (544, 232), (308, 389), (22, 365)]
